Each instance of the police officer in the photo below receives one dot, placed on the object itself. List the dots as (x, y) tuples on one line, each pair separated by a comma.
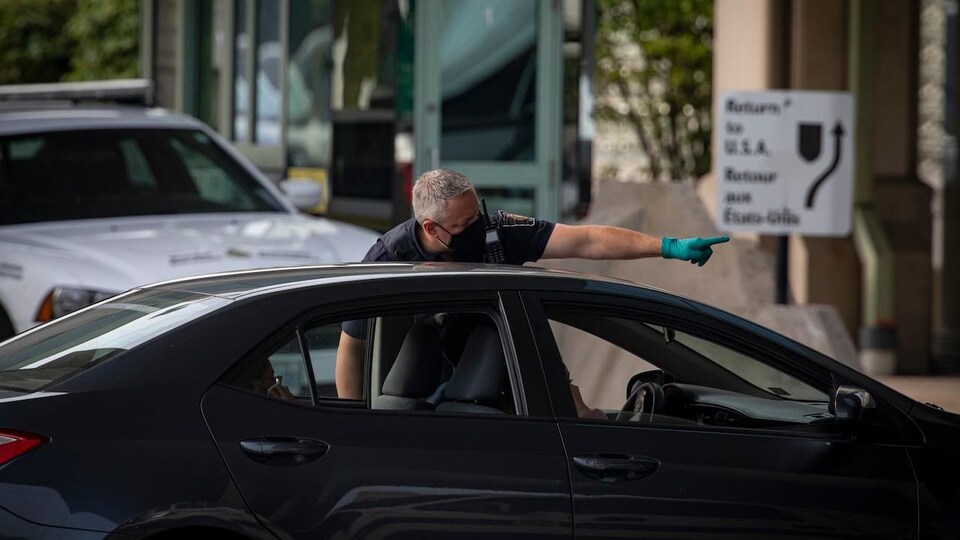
[(447, 226)]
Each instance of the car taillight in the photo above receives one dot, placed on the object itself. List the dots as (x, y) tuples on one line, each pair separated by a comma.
[(16, 443)]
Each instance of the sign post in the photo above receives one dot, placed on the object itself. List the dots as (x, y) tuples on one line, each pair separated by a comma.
[(785, 165)]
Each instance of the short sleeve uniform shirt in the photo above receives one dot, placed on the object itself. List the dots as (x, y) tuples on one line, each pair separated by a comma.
[(524, 239)]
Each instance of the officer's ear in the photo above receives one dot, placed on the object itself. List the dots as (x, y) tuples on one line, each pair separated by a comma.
[(429, 226)]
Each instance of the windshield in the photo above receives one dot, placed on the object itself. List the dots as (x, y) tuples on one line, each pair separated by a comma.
[(113, 173), (35, 360)]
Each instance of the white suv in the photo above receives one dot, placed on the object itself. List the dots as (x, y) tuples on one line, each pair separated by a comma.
[(95, 200)]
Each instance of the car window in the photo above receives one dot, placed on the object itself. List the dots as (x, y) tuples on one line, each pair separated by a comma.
[(37, 359), (138, 170), (756, 373), (123, 172), (623, 370), (427, 361), (210, 180), (279, 373), (322, 344)]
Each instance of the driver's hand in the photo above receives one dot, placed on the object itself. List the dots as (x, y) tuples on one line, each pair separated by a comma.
[(280, 391), (584, 410)]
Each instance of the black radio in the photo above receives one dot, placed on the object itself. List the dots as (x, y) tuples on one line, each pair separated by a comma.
[(493, 247)]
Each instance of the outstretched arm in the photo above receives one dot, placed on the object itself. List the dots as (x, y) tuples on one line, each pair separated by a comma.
[(604, 242), (599, 242)]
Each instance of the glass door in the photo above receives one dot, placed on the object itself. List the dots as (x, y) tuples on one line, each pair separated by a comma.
[(487, 98)]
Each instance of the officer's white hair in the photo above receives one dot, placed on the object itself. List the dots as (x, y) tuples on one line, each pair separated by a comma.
[(433, 189)]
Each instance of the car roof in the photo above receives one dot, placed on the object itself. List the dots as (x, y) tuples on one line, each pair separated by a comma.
[(239, 284), (26, 118)]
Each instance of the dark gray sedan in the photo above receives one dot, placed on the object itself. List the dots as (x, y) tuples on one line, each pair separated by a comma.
[(497, 402)]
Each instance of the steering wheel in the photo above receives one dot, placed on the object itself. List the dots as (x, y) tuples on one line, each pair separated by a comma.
[(645, 398)]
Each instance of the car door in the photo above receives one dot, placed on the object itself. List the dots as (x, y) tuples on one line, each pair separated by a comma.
[(311, 465), (742, 443)]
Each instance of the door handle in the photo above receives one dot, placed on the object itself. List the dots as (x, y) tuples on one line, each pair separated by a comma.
[(284, 450), (615, 467)]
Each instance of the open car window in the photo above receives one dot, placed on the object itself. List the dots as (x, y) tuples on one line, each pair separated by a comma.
[(625, 370), (450, 361), (760, 375)]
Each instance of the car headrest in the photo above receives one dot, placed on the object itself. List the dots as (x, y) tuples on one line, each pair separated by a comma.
[(416, 371), (480, 371)]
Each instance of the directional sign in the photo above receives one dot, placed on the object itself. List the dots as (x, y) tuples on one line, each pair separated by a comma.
[(785, 162)]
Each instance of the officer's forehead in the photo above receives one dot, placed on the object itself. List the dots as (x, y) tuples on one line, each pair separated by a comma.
[(463, 205)]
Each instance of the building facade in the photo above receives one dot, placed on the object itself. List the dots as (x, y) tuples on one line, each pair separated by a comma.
[(362, 95), (894, 279)]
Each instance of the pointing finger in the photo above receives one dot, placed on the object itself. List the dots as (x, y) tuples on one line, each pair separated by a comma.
[(707, 242)]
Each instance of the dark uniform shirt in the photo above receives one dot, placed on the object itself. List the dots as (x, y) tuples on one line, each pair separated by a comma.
[(524, 240)]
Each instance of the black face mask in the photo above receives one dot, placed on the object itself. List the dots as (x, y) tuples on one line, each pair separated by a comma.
[(467, 245)]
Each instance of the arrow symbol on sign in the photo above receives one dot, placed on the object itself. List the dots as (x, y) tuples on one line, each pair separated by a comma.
[(837, 140)]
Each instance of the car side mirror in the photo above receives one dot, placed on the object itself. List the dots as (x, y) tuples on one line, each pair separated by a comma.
[(853, 404), (304, 193)]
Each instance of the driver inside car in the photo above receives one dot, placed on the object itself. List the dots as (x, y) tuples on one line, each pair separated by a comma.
[(583, 410), (263, 380)]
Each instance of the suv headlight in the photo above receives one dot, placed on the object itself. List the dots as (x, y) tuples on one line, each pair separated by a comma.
[(63, 300)]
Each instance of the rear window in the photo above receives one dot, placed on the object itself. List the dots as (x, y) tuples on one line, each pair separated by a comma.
[(122, 172), (39, 358)]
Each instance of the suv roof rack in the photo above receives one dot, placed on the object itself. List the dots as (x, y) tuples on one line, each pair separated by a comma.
[(129, 91)]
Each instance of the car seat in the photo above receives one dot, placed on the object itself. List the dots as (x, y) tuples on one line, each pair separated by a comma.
[(415, 373), (475, 383)]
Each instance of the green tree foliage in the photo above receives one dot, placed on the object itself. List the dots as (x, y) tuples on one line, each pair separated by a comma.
[(33, 47), (57, 40), (654, 68), (105, 37)]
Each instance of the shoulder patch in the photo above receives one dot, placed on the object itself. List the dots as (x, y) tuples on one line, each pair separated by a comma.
[(515, 220)]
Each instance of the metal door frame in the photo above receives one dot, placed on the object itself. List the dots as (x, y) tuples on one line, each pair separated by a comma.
[(541, 175)]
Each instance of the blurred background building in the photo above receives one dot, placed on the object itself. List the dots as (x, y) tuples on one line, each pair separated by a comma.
[(332, 89), (894, 280), (362, 95)]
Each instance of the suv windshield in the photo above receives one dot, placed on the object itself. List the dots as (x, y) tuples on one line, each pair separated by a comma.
[(35, 360), (122, 172)]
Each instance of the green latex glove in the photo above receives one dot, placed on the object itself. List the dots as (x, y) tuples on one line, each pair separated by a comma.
[(696, 250)]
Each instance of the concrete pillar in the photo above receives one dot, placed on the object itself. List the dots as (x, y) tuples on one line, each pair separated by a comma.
[(822, 270), (748, 54), (166, 53), (748, 46), (901, 200), (946, 342)]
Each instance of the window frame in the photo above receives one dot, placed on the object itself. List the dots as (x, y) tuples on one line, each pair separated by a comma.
[(688, 320), (505, 309), (264, 155)]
